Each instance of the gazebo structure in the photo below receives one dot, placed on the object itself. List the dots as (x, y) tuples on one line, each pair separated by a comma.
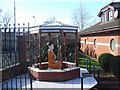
[(40, 70)]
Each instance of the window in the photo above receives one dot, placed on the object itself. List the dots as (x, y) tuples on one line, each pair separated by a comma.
[(95, 43), (110, 14), (107, 16), (85, 41), (112, 45), (103, 17)]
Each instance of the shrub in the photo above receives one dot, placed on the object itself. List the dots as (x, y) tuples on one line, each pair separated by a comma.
[(44, 50), (104, 60), (115, 66)]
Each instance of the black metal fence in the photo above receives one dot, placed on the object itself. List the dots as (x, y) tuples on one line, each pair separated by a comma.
[(15, 57)]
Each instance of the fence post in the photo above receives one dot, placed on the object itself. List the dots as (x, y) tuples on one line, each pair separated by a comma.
[(94, 70), (0, 54), (21, 49), (82, 83), (0, 47), (87, 64), (90, 65), (98, 78)]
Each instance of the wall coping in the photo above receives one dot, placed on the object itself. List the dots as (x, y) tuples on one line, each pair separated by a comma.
[(53, 70)]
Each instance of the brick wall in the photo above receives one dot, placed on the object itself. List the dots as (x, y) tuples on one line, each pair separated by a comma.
[(14, 71), (103, 44)]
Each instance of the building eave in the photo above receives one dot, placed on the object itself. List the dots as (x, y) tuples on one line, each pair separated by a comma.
[(105, 30)]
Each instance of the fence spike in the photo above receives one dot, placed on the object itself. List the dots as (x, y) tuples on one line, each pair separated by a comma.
[(18, 24), (14, 24), (9, 25)]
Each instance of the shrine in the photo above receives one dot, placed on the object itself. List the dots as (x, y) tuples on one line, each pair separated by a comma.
[(54, 59)]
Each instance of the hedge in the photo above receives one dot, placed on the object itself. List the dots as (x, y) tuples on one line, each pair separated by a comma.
[(115, 66), (104, 60)]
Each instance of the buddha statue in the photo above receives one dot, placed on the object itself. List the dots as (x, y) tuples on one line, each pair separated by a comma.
[(52, 64)]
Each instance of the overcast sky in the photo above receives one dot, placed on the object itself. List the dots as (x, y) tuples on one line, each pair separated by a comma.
[(43, 10)]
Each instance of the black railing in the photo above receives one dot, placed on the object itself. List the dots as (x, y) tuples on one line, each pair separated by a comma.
[(15, 58)]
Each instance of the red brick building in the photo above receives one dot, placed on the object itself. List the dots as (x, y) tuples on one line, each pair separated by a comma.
[(103, 37)]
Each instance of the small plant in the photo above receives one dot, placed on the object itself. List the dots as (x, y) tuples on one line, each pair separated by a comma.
[(104, 60), (44, 50)]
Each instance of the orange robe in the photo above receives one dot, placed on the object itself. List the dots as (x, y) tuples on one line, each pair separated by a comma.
[(51, 62)]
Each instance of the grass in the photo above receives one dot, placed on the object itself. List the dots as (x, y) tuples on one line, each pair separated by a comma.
[(82, 59)]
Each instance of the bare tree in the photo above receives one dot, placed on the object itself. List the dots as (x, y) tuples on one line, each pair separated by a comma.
[(5, 18), (81, 17), (0, 15)]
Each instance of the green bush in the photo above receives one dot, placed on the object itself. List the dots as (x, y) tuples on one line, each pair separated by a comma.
[(115, 66), (44, 50), (104, 60)]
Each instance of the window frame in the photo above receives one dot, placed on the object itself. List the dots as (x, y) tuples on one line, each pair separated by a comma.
[(103, 17), (85, 41), (113, 48), (95, 43), (110, 15)]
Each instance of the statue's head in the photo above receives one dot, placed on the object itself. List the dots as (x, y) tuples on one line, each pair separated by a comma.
[(51, 47), (47, 43)]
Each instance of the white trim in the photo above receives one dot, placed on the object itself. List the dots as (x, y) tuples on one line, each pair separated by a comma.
[(34, 31), (89, 42), (10, 66), (58, 27), (50, 30), (82, 42), (117, 45), (53, 70), (101, 44)]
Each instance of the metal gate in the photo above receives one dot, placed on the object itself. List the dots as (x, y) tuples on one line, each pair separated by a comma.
[(15, 58)]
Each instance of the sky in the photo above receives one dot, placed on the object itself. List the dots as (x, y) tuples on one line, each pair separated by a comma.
[(43, 10)]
